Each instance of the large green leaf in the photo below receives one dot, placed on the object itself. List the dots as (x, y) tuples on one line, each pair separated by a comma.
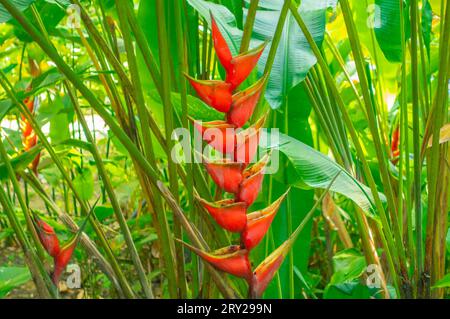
[(388, 29), (12, 277), (20, 4), (225, 20), (84, 183), (20, 162), (294, 56), (313, 169)]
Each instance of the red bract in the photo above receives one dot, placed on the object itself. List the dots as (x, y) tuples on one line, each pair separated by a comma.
[(259, 222), (247, 142), (29, 138), (228, 214), (242, 65), (62, 260), (218, 134), (226, 174), (237, 68), (244, 104), (232, 260), (220, 46), (215, 93), (264, 274), (252, 182), (395, 142), (47, 236)]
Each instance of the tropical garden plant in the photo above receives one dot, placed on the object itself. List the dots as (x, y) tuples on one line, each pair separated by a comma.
[(224, 149)]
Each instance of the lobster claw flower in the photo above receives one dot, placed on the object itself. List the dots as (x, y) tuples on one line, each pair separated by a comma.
[(65, 254), (227, 174), (244, 103), (220, 46), (252, 181), (259, 222), (247, 142), (62, 259), (231, 259), (238, 68), (214, 93), (395, 142), (265, 272), (218, 134), (242, 65), (47, 236), (229, 214)]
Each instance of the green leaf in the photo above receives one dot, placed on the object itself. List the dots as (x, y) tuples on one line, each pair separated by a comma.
[(388, 29), (294, 57), (348, 265), (427, 19), (20, 162), (84, 184), (226, 22), (313, 169), (444, 282), (12, 277), (20, 4), (59, 123)]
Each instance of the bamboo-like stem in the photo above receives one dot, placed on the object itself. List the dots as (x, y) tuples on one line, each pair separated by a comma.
[(248, 27), (416, 145), (87, 243), (114, 202), (169, 126), (166, 243), (29, 117), (380, 152), (23, 204), (183, 69), (440, 113), (378, 204), (41, 279)]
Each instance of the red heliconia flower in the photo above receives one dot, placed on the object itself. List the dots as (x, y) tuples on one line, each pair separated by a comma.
[(231, 259), (229, 214), (214, 93), (395, 142), (244, 104), (47, 236), (29, 137), (247, 142), (227, 174), (252, 182), (220, 46), (265, 272), (242, 65), (238, 68), (259, 222), (62, 260), (218, 134)]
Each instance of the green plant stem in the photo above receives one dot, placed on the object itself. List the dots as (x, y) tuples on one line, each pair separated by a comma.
[(416, 144), (183, 67), (248, 27), (29, 117), (378, 204), (114, 202), (440, 113), (41, 279), (169, 126), (87, 243)]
